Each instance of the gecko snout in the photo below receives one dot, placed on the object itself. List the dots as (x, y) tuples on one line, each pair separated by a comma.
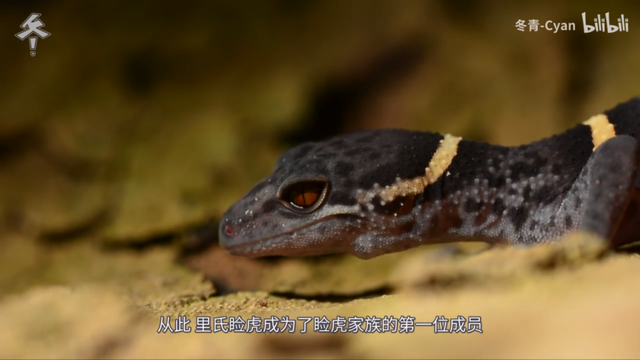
[(226, 233)]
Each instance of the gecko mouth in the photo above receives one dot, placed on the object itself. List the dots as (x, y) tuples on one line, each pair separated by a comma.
[(241, 248)]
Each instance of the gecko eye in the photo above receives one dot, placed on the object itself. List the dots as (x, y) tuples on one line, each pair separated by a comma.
[(304, 195)]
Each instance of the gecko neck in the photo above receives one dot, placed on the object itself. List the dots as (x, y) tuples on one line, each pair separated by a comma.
[(493, 193)]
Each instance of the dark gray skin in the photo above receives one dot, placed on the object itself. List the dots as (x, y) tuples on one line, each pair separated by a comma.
[(528, 195)]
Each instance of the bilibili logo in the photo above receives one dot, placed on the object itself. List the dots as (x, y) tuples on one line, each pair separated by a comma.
[(601, 24)]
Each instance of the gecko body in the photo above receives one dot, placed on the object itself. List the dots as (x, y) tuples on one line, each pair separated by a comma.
[(375, 192)]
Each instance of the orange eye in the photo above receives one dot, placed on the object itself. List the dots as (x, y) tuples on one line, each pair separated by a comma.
[(305, 194)]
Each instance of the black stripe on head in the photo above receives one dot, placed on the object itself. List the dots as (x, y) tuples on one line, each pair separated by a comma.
[(403, 155)]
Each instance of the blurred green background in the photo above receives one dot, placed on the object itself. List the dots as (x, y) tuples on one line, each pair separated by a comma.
[(137, 120)]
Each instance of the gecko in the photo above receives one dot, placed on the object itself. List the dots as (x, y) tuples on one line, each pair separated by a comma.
[(381, 191)]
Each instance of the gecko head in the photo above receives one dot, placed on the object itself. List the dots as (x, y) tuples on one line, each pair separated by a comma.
[(314, 201)]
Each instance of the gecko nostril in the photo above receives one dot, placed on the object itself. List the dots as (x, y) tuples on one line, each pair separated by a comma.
[(228, 230)]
